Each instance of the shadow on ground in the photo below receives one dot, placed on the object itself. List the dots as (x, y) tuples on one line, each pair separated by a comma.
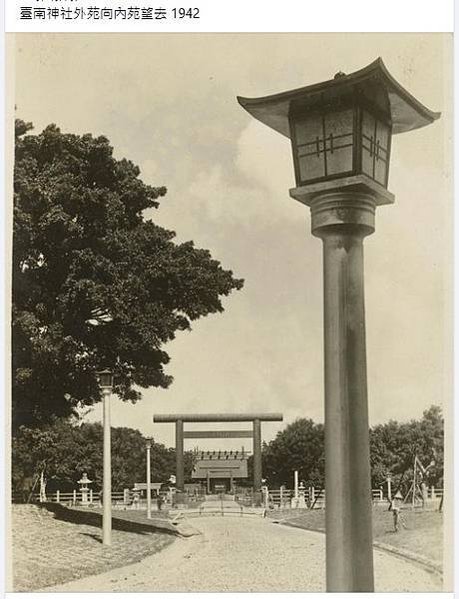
[(76, 516)]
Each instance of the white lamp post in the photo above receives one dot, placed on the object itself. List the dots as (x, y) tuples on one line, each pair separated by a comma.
[(106, 384), (148, 447), (389, 487)]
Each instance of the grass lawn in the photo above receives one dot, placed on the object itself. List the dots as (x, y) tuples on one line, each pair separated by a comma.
[(49, 549), (423, 534)]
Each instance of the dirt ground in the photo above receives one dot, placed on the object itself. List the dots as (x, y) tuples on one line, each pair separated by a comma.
[(246, 554)]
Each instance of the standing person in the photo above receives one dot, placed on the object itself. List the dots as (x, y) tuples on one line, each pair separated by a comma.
[(135, 500), (159, 502), (395, 506), (396, 515)]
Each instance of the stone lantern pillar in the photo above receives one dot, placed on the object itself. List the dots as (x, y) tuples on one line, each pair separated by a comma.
[(341, 132), (84, 489)]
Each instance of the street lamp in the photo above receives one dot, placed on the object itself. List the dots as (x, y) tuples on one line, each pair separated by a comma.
[(148, 448), (341, 133), (105, 379), (389, 487)]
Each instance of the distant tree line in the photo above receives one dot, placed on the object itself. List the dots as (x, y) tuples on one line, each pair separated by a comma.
[(393, 447), (66, 449)]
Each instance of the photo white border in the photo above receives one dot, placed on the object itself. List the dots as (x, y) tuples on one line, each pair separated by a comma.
[(242, 16)]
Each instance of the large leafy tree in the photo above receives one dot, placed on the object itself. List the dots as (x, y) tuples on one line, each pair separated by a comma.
[(95, 284), (394, 446), (300, 446)]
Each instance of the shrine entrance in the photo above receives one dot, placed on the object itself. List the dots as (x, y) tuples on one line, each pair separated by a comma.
[(230, 467)]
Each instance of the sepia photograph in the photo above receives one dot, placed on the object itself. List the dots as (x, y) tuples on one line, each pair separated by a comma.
[(231, 298)]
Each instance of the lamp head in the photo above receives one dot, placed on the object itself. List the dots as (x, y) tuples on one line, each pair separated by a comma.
[(341, 129), (105, 379)]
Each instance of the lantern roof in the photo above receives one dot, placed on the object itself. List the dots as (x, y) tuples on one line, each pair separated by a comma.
[(84, 479), (104, 371), (373, 83)]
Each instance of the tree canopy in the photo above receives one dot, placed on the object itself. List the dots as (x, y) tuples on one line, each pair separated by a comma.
[(393, 447), (95, 284), (63, 451), (300, 446)]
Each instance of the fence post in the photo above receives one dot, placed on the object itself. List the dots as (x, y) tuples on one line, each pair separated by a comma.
[(313, 494), (432, 492), (74, 496), (380, 494), (58, 496), (90, 495)]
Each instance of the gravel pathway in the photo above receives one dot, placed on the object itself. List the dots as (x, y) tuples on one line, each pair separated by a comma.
[(246, 554)]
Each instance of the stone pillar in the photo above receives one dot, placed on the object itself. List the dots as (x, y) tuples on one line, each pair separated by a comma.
[(301, 502), (256, 456), (180, 477), (84, 495), (342, 219), (389, 488), (295, 484)]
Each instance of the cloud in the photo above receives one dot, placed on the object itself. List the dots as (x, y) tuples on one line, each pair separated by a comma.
[(255, 187), (264, 156)]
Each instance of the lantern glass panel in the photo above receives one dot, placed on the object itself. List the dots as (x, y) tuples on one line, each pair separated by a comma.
[(324, 144), (375, 148), (368, 135), (340, 125), (309, 136), (105, 379), (339, 141), (311, 166), (381, 153), (308, 130), (382, 135)]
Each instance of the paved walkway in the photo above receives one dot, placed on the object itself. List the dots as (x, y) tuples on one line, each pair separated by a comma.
[(246, 554)]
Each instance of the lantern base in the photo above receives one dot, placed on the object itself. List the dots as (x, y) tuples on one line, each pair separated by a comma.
[(356, 183)]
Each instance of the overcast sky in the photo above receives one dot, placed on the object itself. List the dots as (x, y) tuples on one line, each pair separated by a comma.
[(168, 102)]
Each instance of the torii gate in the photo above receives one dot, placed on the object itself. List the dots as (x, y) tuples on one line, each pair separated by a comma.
[(255, 433)]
